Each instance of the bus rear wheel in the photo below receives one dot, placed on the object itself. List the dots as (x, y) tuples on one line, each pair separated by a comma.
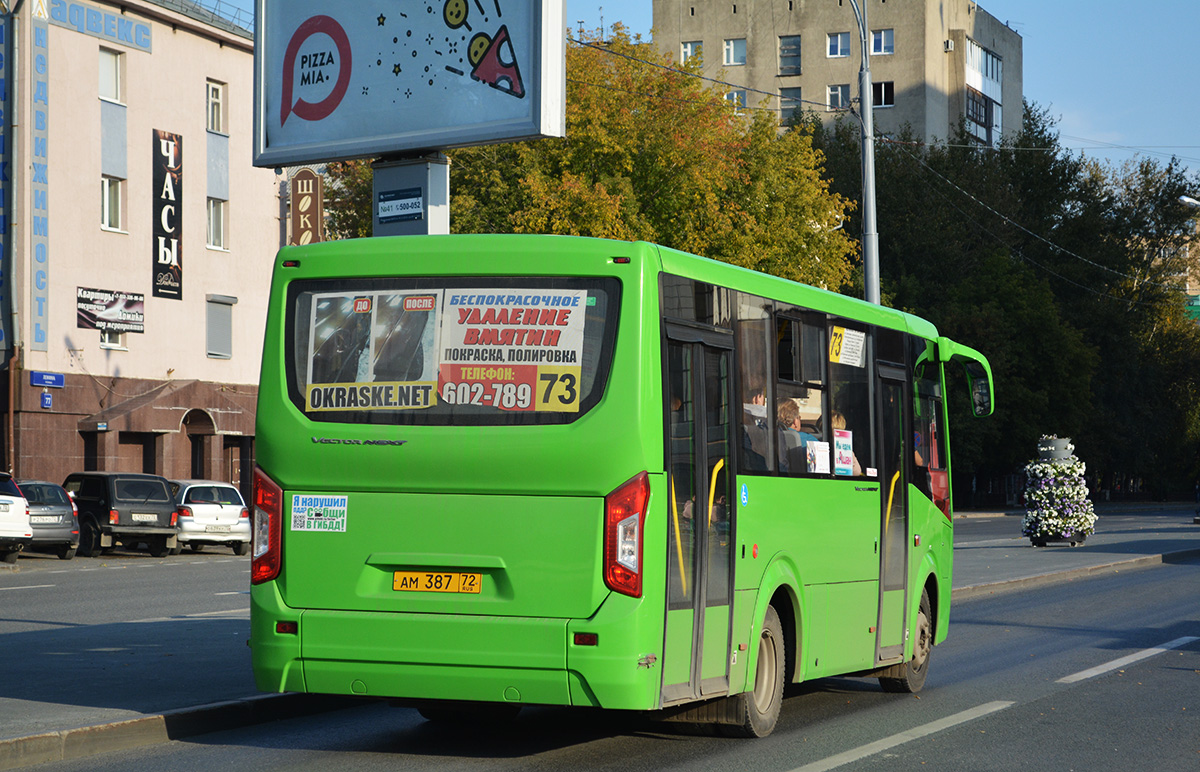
[(916, 668), (759, 709)]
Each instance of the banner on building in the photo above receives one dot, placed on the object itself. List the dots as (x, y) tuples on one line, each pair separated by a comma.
[(39, 182), (109, 310), (166, 241), (6, 271)]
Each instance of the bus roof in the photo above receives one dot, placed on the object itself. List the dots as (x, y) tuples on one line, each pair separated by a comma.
[(529, 254)]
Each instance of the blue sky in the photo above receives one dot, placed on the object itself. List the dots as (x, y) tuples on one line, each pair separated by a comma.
[(1111, 72), (1120, 78)]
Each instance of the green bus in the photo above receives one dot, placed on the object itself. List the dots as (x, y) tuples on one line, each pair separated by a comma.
[(496, 471)]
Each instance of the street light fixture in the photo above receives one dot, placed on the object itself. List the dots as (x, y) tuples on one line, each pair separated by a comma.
[(1189, 201)]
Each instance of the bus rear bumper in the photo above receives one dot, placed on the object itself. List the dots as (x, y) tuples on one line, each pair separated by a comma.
[(406, 656)]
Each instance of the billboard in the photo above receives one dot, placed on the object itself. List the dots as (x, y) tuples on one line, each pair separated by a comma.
[(353, 80)]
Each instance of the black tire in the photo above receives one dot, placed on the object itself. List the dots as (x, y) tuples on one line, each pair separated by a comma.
[(240, 548), (759, 709), (10, 557), (158, 547), (177, 549), (195, 546), (916, 668), (89, 539), (66, 553)]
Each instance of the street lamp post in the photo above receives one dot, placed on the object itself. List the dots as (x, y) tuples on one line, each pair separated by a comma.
[(870, 235)]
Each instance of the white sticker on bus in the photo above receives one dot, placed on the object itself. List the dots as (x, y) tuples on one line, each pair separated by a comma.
[(319, 512)]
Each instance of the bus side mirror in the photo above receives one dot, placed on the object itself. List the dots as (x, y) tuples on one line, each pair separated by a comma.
[(981, 390), (979, 374)]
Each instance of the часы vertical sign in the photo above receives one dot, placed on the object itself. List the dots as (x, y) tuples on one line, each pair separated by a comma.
[(167, 243)]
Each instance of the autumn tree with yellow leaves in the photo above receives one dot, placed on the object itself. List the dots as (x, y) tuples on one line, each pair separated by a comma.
[(655, 153)]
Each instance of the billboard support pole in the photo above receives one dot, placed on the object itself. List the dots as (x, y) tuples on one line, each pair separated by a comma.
[(411, 196)]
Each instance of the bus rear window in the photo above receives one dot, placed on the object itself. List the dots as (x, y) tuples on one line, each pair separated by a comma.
[(450, 351)]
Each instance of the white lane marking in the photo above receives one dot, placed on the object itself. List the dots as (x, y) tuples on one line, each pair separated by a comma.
[(239, 592), (27, 587), (915, 733), (1123, 661)]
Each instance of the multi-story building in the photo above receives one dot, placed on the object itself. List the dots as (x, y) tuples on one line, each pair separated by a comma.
[(132, 321), (933, 62)]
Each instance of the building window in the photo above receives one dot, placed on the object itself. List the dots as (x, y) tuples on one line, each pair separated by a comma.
[(112, 339), (110, 203), (737, 99), (217, 236), (689, 49), (839, 44), (735, 52), (789, 104), (839, 97), (789, 55), (883, 94), (220, 326), (883, 42), (110, 75), (216, 106)]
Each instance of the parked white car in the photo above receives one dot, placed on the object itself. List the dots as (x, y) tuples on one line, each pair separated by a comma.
[(211, 513), (15, 531)]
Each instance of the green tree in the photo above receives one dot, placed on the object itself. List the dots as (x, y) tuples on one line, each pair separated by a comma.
[(1065, 273)]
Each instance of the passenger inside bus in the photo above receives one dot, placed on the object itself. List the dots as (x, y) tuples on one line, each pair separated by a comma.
[(794, 436), (754, 431)]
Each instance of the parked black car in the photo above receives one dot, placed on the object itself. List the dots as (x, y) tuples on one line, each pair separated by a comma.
[(52, 518), (123, 508)]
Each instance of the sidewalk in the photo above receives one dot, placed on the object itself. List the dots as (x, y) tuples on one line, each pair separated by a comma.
[(1126, 536), (989, 558)]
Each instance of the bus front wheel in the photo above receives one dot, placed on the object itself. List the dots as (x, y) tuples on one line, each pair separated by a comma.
[(916, 668), (759, 709)]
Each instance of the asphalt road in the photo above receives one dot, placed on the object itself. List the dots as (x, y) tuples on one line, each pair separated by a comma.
[(1057, 678), (127, 636), (110, 638)]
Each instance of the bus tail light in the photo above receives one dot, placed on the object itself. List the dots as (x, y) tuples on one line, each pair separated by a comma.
[(266, 557), (114, 517), (624, 519)]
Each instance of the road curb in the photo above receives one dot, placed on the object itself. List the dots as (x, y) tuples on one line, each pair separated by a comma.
[(1056, 577), (162, 727)]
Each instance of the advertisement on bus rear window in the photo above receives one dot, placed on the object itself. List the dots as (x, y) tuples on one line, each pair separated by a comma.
[(511, 350), (515, 350), (373, 351)]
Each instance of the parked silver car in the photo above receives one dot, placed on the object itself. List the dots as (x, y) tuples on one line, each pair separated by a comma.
[(53, 518), (211, 513), (15, 533)]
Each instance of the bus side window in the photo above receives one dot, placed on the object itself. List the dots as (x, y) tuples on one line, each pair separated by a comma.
[(850, 392), (755, 384), (801, 407), (929, 450)]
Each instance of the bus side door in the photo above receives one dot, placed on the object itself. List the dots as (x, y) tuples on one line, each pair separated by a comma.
[(700, 523), (895, 442)]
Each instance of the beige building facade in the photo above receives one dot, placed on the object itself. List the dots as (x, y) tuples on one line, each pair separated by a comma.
[(132, 320), (932, 62)]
